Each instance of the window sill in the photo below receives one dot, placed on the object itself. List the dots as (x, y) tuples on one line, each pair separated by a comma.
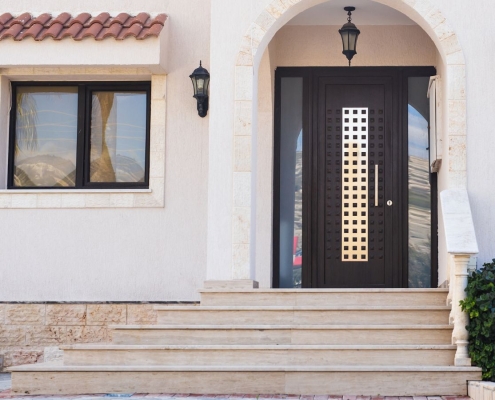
[(72, 191), (85, 198)]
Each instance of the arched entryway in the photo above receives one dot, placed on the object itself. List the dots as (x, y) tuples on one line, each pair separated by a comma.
[(248, 253)]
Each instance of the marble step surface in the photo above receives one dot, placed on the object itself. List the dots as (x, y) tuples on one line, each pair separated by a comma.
[(301, 315), (258, 355), (281, 334), (47, 378), (323, 297)]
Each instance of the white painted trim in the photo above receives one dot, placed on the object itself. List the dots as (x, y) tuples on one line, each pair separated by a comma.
[(132, 53)]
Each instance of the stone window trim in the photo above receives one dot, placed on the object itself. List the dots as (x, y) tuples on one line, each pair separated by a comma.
[(153, 197)]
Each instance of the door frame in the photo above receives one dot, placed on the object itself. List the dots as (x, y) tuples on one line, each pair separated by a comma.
[(310, 77)]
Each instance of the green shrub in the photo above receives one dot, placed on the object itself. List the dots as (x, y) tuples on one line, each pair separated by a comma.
[(480, 305)]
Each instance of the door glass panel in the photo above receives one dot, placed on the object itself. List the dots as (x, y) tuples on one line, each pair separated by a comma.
[(419, 184), (354, 183), (291, 139)]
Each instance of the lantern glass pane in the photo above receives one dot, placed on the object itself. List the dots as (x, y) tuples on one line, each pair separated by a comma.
[(352, 41), (345, 40), (207, 83), (195, 87)]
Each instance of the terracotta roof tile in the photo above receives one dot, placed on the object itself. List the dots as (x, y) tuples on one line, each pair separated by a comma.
[(141, 18), (72, 31), (39, 20), (81, 19), (81, 26), (22, 19), (91, 31), (154, 30), (61, 19), (4, 18), (12, 32), (133, 30), (120, 19), (33, 32), (53, 30), (99, 19)]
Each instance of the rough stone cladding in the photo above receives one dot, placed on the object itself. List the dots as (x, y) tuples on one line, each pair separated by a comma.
[(27, 329)]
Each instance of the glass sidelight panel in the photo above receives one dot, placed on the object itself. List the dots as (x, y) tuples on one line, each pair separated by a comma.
[(419, 185), (291, 139)]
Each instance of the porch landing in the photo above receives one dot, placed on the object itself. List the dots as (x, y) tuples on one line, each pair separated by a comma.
[(5, 393)]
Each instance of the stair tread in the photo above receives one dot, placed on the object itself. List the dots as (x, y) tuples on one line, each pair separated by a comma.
[(301, 308), (257, 347), (59, 367), (317, 291), (273, 327)]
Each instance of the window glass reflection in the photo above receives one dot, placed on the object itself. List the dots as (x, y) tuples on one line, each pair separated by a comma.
[(45, 137), (118, 137)]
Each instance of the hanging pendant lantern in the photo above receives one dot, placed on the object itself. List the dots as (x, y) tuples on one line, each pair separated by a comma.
[(349, 34)]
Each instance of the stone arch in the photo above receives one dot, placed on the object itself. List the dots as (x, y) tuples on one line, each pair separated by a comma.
[(275, 15)]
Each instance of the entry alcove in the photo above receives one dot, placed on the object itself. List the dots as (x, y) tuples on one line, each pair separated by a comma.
[(388, 39)]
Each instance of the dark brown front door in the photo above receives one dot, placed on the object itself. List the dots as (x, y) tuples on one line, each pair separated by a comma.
[(353, 222), (345, 178)]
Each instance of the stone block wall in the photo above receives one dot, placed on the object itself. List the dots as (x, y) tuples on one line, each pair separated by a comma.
[(26, 330)]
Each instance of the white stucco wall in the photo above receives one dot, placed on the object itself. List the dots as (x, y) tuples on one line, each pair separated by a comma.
[(136, 254), (477, 45)]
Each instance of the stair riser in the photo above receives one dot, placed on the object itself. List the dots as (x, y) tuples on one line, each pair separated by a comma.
[(323, 299), (305, 383), (258, 357), (303, 317), (283, 336)]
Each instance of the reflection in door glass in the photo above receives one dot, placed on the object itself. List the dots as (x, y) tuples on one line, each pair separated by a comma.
[(291, 137), (419, 184)]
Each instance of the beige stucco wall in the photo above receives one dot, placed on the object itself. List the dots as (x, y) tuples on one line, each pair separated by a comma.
[(381, 45), (137, 254)]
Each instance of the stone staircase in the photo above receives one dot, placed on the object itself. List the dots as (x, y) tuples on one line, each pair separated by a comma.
[(394, 342)]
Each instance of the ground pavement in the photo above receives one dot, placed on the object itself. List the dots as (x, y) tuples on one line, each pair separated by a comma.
[(5, 393)]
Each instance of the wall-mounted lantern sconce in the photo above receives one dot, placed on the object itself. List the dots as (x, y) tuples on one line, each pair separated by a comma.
[(201, 79), (349, 34)]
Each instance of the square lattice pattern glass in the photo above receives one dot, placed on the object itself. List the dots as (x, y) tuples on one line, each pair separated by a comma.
[(354, 183)]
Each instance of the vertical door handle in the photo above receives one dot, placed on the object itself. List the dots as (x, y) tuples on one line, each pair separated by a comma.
[(376, 185)]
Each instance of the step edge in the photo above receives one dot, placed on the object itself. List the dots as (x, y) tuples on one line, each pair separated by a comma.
[(42, 367), (318, 291), (301, 308), (281, 327), (125, 347)]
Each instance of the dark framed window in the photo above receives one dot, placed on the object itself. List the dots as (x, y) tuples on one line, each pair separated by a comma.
[(78, 135)]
